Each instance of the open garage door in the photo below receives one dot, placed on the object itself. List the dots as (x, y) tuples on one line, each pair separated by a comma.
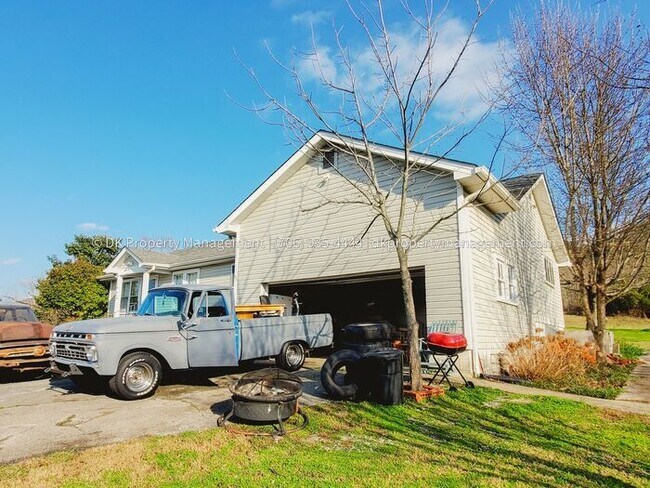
[(357, 298)]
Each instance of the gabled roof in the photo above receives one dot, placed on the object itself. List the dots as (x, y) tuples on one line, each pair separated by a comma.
[(147, 256), (472, 177), (518, 186), (211, 252)]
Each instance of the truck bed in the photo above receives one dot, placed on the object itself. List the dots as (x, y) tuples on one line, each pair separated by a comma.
[(264, 337)]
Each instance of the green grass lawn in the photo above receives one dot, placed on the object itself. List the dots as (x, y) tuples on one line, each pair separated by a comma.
[(629, 330), (479, 437)]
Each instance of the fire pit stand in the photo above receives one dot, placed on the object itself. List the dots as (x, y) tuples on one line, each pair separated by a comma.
[(269, 396)]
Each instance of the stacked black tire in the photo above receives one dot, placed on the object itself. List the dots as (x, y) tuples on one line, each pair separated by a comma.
[(367, 337), (373, 368)]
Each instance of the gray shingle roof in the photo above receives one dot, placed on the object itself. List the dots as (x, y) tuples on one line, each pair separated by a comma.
[(148, 256), (518, 186), (213, 250)]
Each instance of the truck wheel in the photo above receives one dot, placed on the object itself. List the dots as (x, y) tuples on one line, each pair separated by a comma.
[(138, 376), (291, 357), (343, 358)]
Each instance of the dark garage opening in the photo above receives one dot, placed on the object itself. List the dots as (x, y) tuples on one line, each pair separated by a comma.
[(357, 298)]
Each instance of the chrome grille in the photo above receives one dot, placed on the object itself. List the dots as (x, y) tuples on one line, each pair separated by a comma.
[(69, 335), (70, 350)]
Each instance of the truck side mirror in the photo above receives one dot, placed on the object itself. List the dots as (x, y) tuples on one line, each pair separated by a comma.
[(184, 318)]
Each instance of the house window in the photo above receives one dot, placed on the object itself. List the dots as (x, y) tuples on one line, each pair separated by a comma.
[(153, 282), (549, 271), (190, 277), (130, 296), (506, 277), (232, 275)]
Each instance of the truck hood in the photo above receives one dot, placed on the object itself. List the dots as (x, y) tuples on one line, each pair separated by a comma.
[(119, 325), (21, 331)]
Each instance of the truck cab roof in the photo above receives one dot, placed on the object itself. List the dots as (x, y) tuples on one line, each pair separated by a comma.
[(192, 288)]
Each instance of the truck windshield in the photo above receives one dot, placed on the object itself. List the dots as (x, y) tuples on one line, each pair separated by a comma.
[(163, 302), (17, 314)]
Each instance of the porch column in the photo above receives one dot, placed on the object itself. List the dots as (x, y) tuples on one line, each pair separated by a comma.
[(118, 296), (144, 289)]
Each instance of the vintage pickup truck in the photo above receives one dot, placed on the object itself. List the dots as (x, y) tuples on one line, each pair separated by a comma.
[(23, 339), (175, 328)]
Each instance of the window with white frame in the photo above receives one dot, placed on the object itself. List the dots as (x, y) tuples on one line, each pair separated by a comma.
[(130, 296), (189, 277), (153, 282), (549, 271), (506, 276)]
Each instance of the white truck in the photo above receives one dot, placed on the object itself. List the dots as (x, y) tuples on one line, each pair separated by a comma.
[(176, 328)]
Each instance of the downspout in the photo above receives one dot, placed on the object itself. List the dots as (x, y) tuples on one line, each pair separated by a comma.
[(466, 276)]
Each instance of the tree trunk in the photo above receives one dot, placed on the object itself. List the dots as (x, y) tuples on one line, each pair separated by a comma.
[(587, 308), (594, 308), (601, 321), (411, 320)]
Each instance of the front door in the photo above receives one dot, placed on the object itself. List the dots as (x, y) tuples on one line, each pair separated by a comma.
[(210, 331)]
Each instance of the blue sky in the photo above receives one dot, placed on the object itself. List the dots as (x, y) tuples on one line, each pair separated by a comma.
[(117, 117)]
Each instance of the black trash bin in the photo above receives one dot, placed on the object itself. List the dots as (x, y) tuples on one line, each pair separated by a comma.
[(384, 376)]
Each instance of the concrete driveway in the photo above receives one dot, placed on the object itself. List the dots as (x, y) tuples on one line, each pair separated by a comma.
[(45, 415)]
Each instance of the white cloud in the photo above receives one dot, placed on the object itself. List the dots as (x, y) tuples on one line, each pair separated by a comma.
[(318, 65), (463, 93), (310, 17), (92, 226), (10, 261)]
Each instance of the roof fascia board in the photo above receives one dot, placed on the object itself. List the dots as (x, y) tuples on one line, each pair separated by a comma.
[(394, 153), (491, 183), (203, 261), (549, 219)]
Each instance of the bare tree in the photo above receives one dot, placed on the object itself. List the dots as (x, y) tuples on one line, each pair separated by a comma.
[(576, 89), (383, 90)]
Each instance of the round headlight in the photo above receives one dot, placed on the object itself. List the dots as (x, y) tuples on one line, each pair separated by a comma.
[(91, 354)]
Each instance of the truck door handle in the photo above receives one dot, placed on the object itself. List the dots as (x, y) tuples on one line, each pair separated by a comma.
[(225, 319)]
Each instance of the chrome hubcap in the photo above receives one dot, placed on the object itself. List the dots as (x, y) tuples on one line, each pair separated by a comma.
[(294, 354), (139, 377)]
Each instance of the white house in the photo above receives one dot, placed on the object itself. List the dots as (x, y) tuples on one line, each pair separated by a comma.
[(135, 271), (491, 268)]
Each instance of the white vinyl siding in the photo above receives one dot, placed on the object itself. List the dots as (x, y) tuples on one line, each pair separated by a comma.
[(217, 275), (301, 238), (111, 297), (518, 236)]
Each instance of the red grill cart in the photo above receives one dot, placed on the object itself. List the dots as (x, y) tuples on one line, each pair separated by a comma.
[(439, 356)]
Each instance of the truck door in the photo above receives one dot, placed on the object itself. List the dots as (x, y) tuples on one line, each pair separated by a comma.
[(211, 334)]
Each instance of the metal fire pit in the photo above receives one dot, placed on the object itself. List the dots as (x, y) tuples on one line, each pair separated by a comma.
[(268, 396)]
